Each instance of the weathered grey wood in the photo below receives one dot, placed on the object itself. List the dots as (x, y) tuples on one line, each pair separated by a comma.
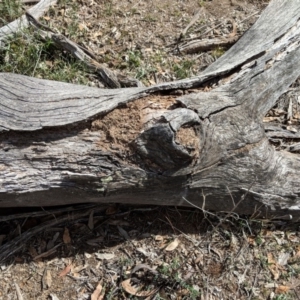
[(274, 22), (63, 143), (29, 103)]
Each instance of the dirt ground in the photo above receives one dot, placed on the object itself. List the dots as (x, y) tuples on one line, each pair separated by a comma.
[(168, 253), (128, 252), (142, 38)]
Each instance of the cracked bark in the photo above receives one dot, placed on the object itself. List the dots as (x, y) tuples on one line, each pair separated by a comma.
[(61, 143)]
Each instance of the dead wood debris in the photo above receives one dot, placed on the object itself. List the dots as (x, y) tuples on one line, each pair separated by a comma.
[(282, 123), (110, 78), (199, 45)]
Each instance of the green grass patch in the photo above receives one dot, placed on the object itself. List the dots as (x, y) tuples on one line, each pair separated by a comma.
[(183, 69), (9, 11), (28, 55)]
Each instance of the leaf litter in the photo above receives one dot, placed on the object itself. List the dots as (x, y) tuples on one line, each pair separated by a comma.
[(196, 261)]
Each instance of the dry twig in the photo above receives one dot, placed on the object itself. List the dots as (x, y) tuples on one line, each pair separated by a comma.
[(110, 78)]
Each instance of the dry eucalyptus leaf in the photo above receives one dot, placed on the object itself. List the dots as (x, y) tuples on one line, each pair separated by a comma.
[(143, 251), (144, 267), (282, 289), (271, 285), (80, 268), (273, 266), (96, 294), (96, 241), (159, 238), (126, 285), (233, 242), (199, 259), (82, 26), (104, 255), (65, 271), (283, 258), (270, 119), (47, 279), (123, 233), (173, 245), (66, 236), (293, 237)]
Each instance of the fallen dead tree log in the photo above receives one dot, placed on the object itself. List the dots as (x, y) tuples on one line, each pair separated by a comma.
[(63, 143)]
